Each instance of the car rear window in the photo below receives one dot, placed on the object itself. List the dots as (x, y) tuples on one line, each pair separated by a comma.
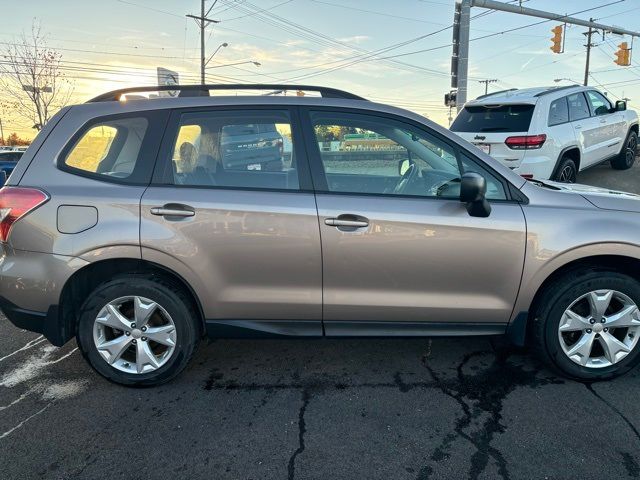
[(118, 148), (493, 118), (110, 148)]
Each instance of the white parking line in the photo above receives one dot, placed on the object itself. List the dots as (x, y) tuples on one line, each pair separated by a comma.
[(10, 431), (27, 346), (19, 399)]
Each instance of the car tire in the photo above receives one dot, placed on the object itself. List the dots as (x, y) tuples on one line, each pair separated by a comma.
[(627, 156), (149, 358), (554, 346), (566, 171)]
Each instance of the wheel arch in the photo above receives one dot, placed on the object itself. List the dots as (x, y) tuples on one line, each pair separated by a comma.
[(629, 265), (572, 152), (86, 279)]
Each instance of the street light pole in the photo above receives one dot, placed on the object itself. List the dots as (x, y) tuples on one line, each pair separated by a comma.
[(222, 45), (257, 64)]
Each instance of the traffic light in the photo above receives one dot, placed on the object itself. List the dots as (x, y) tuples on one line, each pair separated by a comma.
[(450, 98), (623, 55), (556, 39)]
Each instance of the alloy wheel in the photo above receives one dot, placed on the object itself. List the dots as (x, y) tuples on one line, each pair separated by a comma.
[(567, 174), (134, 334), (600, 328), (632, 145)]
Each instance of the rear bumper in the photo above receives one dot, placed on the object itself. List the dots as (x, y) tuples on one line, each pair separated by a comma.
[(540, 167), (31, 285), (46, 323)]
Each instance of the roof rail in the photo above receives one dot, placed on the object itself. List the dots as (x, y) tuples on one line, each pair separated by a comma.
[(203, 90), (496, 93), (555, 89)]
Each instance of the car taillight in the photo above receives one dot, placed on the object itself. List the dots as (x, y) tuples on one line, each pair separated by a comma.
[(525, 142), (15, 203)]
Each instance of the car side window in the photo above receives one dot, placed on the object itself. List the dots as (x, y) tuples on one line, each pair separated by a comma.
[(109, 148), (241, 149), (558, 112), (578, 108), (599, 103), (375, 155)]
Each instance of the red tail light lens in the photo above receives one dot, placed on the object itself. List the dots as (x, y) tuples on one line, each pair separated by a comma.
[(526, 142), (15, 203)]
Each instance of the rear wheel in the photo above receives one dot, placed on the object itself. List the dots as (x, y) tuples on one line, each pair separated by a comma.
[(137, 330), (627, 156), (567, 171), (587, 325)]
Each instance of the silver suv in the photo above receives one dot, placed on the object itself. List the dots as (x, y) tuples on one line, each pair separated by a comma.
[(123, 227)]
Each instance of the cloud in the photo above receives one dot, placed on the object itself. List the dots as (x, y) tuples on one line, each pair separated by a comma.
[(355, 39)]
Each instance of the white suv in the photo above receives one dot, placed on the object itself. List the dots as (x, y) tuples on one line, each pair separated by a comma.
[(550, 133)]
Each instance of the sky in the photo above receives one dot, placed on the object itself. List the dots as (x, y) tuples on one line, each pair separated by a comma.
[(111, 44)]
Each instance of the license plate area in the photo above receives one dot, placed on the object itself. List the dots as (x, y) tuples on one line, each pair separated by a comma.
[(485, 147)]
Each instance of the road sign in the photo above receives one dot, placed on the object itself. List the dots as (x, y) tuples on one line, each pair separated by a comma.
[(168, 77)]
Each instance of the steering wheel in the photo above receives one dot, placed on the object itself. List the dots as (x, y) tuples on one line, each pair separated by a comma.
[(406, 179), (439, 189)]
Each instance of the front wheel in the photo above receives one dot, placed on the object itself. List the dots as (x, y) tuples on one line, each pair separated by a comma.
[(627, 156), (137, 330), (587, 325)]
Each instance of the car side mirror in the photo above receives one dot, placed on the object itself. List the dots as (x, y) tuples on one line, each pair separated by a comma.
[(621, 106), (473, 188)]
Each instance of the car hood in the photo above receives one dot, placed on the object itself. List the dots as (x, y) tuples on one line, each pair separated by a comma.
[(603, 198)]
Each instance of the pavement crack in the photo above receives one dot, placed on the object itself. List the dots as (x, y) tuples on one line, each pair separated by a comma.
[(479, 394), (589, 387), (630, 465), (302, 429)]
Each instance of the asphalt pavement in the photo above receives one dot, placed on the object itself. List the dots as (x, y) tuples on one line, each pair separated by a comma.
[(319, 409)]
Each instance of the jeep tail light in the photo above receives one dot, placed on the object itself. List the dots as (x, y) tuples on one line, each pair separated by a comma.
[(15, 203), (526, 142)]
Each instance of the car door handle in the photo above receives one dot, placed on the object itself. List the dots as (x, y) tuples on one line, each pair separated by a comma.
[(342, 222), (604, 120), (172, 212), (577, 127)]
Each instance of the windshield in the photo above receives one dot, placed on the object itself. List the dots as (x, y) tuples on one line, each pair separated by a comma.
[(494, 118)]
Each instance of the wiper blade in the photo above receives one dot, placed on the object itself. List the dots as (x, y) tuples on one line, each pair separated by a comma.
[(494, 129), (541, 183)]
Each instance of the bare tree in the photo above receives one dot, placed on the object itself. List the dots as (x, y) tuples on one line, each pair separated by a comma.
[(32, 79)]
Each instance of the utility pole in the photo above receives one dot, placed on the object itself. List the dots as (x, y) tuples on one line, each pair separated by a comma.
[(460, 57), (486, 84), (461, 27), (202, 21), (588, 45), (1, 133)]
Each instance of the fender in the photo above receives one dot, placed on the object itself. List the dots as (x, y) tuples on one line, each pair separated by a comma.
[(561, 154), (532, 281)]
